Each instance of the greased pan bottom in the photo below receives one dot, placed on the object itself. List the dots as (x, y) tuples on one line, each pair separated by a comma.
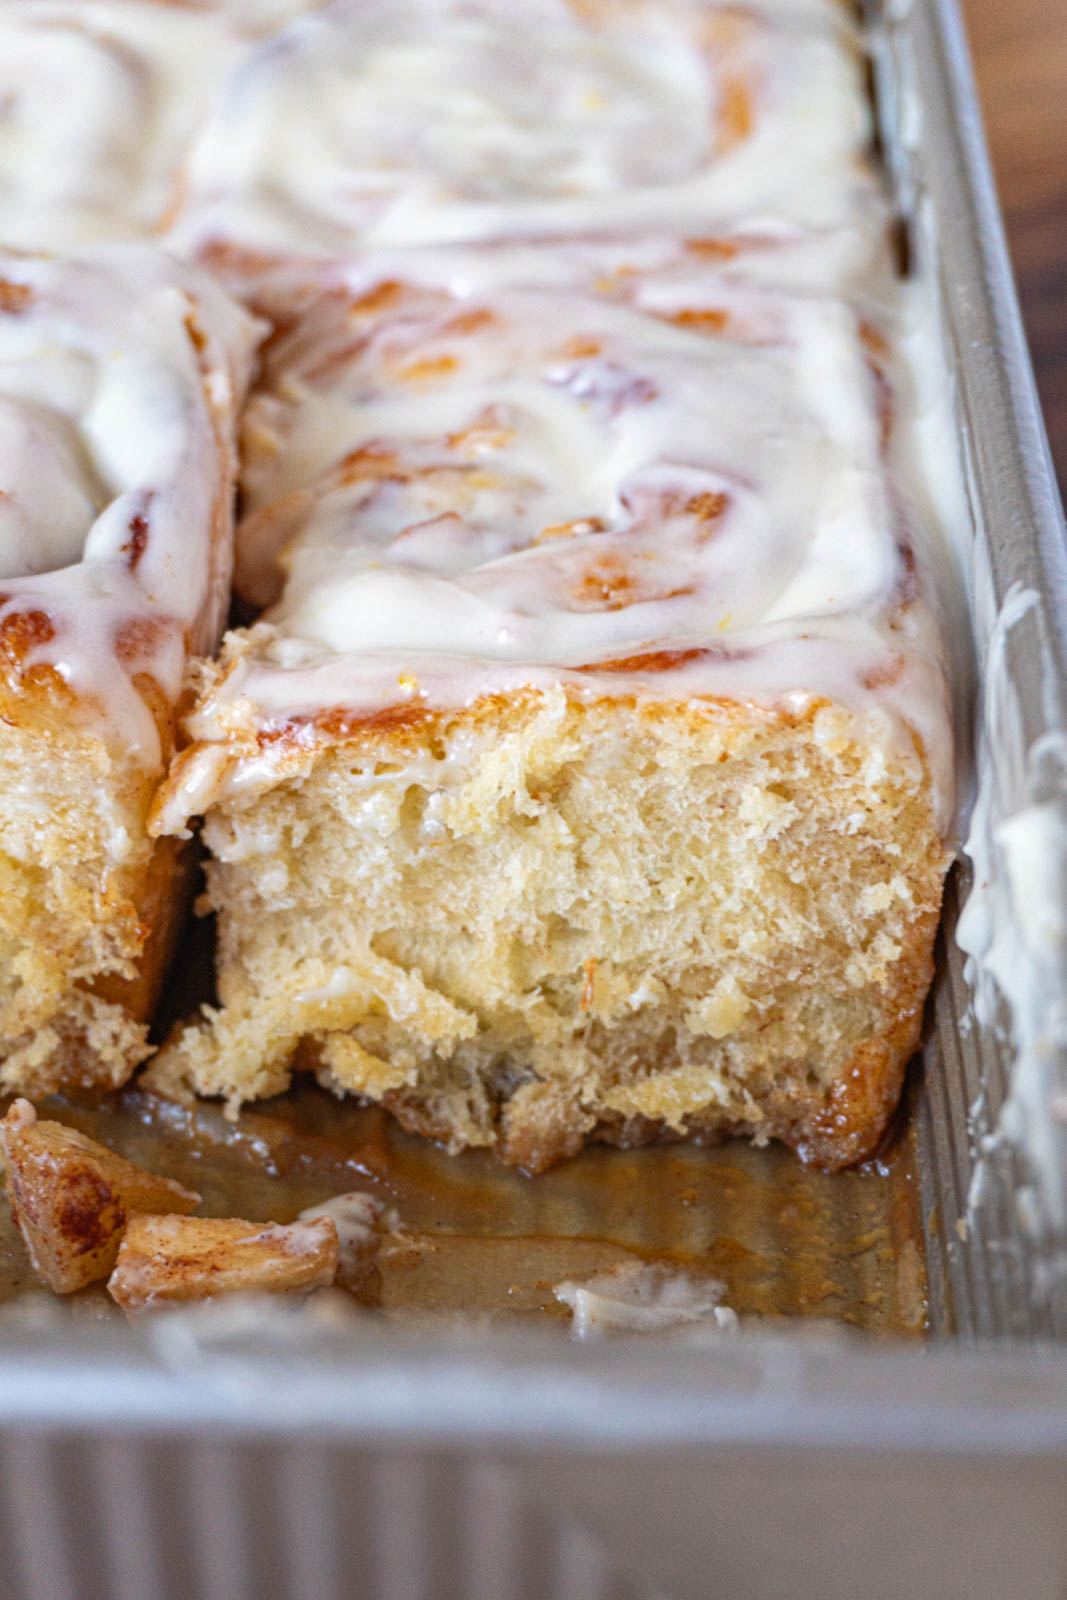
[(476, 1238)]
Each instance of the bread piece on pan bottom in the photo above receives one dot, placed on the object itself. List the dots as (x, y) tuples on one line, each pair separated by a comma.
[(547, 919)]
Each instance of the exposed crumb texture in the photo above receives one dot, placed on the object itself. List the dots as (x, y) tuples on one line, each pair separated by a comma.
[(71, 1197), (89, 908), (546, 920), (194, 1258)]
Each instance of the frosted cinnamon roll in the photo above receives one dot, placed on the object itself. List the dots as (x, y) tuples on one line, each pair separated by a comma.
[(101, 100), (588, 776), (422, 122), (120, 376)]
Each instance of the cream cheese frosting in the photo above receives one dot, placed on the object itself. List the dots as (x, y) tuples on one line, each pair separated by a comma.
[(120, 373), (434, 121), (101, 102), (566, 479)]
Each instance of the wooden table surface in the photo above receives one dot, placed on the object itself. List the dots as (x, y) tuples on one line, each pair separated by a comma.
[(1020, 57)]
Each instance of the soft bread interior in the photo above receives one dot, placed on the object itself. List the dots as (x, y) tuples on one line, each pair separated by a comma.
[(89, 909), (543, 919)]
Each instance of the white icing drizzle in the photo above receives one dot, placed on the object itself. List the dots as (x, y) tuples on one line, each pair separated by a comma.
[(716, 482), (120, 372), (428, 121), (423, 122)]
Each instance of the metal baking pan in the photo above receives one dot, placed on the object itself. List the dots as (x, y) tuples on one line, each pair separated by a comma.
[(295, 1454)]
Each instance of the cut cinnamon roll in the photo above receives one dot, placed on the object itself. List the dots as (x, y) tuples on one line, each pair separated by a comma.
[(588, 776), (120, 376)]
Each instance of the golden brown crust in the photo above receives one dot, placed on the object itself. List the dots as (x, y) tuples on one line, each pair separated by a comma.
[(848, 1123), (162, 900), (404, 729), (828, 1128), (542, 1124)]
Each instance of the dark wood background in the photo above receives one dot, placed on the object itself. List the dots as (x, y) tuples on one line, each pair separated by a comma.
[(1020, 57)]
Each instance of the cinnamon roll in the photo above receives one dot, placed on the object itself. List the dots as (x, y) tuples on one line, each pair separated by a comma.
[(120, 377), (100, 103), (588, 775), (428, 122)]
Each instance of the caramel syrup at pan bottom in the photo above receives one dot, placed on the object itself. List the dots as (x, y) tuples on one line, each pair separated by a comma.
[(478, 1238)]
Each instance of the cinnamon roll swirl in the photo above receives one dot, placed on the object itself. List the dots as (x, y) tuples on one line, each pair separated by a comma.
[(100, 104), (428, 122)]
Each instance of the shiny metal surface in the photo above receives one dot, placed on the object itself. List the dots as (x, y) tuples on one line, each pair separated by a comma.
[(208, 1456), (997, 1268)]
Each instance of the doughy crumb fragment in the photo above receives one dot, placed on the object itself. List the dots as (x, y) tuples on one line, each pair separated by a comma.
[(71, 1197), (192, 1258)]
